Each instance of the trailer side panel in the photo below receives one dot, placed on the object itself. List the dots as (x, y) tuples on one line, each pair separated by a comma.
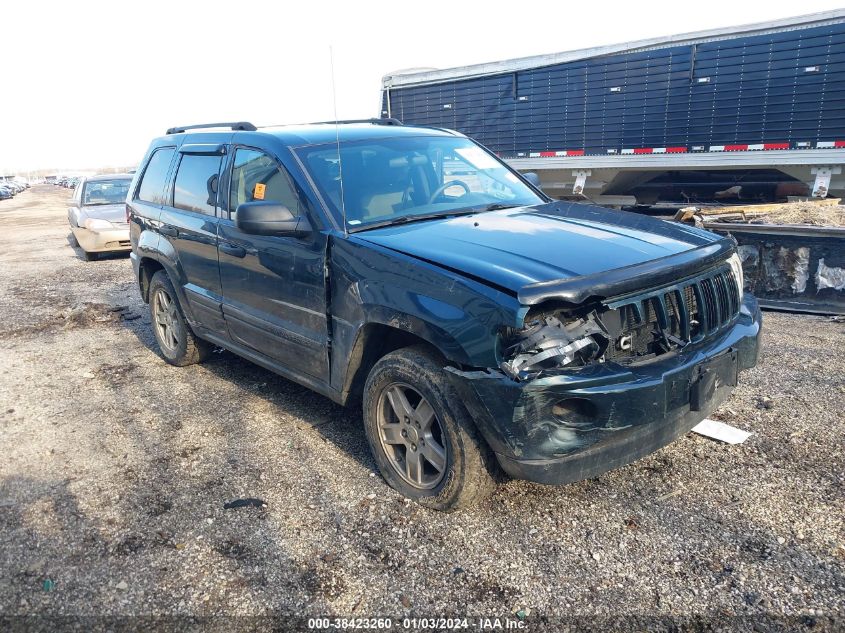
[(779, 90)]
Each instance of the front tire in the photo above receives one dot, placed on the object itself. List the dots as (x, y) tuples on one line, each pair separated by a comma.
[(423, 440), (178, 344)]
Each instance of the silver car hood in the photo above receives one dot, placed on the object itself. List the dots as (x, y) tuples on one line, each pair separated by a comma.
[(112, 212)]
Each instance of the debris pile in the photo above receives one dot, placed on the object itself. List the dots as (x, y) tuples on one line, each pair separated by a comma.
[(804, 213), (827, 212)]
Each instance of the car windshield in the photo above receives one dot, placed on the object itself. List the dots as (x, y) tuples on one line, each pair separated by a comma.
[(105, 191), (394, 180)]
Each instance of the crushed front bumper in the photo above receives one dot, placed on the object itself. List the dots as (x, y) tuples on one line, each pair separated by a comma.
[(577, 424)]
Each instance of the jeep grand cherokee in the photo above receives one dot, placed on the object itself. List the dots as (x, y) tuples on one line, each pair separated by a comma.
[(478, 323)]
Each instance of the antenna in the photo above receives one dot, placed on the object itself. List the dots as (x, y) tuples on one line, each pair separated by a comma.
[(337, 141)]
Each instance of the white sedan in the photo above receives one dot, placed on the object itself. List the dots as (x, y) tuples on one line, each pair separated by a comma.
[(97, 215)]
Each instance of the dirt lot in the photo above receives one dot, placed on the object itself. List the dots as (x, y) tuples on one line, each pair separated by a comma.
[(115, 467)]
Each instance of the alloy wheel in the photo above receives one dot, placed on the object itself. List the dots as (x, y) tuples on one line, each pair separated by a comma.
[(167, 324), (411, 436)]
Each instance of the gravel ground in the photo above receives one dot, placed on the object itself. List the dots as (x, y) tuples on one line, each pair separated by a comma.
[(115, 468)]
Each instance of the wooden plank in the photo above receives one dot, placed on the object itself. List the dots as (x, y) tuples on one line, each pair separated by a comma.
[(762, 209)]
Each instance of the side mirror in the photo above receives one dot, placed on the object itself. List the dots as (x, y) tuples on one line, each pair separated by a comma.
[(533, 178), (270, 218)]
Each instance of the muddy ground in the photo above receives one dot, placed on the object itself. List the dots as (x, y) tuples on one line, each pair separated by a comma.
[(114, 469)]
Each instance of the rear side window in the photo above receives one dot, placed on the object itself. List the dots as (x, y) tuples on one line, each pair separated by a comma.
[(196, 183), (155, 176), (257, 176)]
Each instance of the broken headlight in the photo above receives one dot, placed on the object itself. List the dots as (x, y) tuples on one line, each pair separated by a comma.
[(547, 342), (736, 267)]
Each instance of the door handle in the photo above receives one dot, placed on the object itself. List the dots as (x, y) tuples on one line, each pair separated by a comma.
[(169, 230), (231, 249)]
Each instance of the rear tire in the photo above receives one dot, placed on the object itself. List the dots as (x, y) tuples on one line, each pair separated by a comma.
[(421, 436), (178, 344)]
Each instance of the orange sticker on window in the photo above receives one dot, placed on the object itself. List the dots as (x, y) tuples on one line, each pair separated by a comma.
[(258, 192)]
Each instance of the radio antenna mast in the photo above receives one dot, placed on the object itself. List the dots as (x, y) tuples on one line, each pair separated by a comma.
[(337, 141)]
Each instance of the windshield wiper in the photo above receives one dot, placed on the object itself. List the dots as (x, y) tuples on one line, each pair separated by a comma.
[(407, 219), (498, 206)]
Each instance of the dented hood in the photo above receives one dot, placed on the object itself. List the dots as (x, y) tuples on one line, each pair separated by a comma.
[(514, 248)]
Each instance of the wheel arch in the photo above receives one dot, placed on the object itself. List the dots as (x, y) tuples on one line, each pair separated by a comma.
[(154, 255), (375, 340), (146, 269)]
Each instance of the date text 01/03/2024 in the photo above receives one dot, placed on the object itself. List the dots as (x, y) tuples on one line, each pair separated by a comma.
[(491, 623)]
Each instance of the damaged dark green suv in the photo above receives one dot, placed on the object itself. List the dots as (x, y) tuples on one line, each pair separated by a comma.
[(409, 271)]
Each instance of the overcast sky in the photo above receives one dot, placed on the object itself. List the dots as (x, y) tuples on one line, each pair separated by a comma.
[(93, 82)]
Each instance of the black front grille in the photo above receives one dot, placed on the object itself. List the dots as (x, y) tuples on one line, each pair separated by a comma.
[(686, 312), (718, 296)]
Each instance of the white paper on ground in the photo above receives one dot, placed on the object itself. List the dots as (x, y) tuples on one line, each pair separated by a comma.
[(720, 431)]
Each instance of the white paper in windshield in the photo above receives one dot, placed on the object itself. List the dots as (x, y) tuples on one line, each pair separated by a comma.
[(478, 158)]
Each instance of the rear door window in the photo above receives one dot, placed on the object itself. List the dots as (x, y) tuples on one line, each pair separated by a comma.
[(155, 176), (257, 176), (195, 188)]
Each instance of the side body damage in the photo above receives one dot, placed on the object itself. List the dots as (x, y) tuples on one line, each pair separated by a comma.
[(380, 298)]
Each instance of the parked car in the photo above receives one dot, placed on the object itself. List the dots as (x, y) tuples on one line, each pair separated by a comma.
[(5, 193), (97, 215), (12, 186), (409, 269), (16, 185)]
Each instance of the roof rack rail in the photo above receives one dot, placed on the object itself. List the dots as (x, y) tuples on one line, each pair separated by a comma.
[(384, 121), (237, 125)]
